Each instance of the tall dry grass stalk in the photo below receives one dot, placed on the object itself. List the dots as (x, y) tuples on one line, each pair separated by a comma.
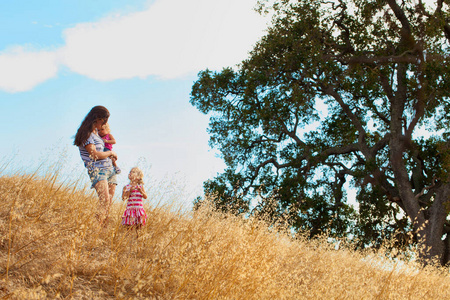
[(51, 247)]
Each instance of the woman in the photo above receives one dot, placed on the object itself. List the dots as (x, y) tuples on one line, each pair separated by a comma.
[(98, 163)]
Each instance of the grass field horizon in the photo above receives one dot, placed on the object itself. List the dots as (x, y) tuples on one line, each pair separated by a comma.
[(51, 247)]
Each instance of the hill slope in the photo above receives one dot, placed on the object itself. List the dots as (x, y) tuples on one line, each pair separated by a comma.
[(51, 247)]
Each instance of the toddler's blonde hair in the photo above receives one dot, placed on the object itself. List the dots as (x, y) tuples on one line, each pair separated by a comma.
[(107, 128), (140, 175)]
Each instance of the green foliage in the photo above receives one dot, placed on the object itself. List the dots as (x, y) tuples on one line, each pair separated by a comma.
[(333, 97)]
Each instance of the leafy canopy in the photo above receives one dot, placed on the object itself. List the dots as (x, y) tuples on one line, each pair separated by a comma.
[(331, 101)]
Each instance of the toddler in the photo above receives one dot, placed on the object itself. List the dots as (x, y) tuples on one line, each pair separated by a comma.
[(109, 140), (134, 192)]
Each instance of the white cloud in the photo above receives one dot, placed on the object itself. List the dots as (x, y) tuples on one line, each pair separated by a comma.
[(22, 69), (170, 39)]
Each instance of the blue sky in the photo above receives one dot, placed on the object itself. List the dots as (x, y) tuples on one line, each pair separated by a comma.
[(59, 58)]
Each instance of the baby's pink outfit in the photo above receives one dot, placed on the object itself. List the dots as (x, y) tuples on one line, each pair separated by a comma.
[(107, 145)]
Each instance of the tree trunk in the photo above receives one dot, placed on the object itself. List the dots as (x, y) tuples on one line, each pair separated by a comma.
[(396, 151), (429, 230), (434, 227)]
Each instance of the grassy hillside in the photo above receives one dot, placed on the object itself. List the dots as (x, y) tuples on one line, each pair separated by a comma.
[(51, 247)]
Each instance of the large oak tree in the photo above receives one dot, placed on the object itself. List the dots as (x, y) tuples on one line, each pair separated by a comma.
[(335, 98)]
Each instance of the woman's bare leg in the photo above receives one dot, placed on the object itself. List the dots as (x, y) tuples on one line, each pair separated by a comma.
[(111, 191), (104, 200)]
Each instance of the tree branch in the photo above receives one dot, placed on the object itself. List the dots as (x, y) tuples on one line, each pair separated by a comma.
[(400, 14), (346, 33), (438, 11), (340, 150), (387, 89), (356, 122), (405, 57), (256, 170), (263, 139), (380, 145), (426, 189), (292, 135)]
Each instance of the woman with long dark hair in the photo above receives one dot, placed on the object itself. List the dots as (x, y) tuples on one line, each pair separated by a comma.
[(98, 162)]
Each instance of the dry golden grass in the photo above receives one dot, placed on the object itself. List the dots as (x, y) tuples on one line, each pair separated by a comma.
[(51, 247)]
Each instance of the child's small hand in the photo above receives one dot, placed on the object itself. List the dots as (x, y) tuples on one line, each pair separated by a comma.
[(126, 192), (136, 187)]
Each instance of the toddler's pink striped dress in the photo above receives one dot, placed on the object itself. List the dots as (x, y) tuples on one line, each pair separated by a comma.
[(134, 213)]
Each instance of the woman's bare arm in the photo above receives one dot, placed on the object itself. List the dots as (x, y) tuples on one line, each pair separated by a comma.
[(96, 155)]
